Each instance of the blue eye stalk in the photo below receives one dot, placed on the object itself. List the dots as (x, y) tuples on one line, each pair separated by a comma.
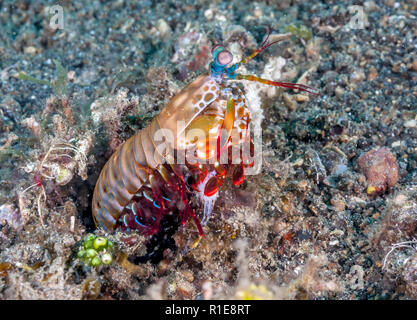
[(221, 58)]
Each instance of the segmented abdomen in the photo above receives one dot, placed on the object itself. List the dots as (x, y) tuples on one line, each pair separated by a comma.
[(124, 174)]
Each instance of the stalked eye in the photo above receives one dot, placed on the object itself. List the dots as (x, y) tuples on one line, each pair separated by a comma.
[(224, 57), (217, 49)]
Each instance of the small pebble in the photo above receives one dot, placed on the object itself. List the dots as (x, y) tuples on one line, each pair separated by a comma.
[(381, 170), (357, 76), (163, 28), (410, 123), (373, 74), (30, 50)]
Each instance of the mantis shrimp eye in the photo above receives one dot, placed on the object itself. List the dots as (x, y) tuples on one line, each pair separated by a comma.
[(224, 57), (221, 55)]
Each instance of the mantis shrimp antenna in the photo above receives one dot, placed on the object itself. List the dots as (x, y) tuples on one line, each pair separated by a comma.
[(263, 46), (232, 75), (295, 86)]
